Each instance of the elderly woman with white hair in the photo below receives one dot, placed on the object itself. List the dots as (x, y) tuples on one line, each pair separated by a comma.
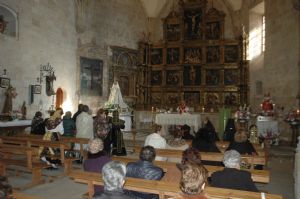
[(231, 177), (113, 175)]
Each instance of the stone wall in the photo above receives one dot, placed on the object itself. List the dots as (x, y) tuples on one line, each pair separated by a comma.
[(108, 23), (46, 34)]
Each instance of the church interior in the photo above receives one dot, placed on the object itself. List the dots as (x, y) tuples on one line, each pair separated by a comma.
[(171, 62)]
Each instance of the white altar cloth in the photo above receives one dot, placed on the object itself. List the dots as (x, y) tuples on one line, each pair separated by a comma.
[(264, 127), (15, 123), (193, 120)]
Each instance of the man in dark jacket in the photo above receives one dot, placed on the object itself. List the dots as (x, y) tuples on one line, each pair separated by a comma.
[(144, 169), (232, 177)]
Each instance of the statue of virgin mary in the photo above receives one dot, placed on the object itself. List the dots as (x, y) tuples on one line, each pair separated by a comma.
[(115, 97)]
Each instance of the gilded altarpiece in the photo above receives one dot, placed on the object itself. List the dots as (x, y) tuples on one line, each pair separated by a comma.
[(195, 63)]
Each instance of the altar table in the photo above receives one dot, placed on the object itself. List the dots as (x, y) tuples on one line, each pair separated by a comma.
[(193, 120), (15, 126)]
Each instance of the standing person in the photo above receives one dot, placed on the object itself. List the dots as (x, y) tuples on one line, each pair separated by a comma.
[(231, 177), (96, 159), (80, 108), (145, 169), (54, 128), (117, 135), (101, 129), (38, 124), (210, 130), (113, 175), (156, 140), (69, 125)]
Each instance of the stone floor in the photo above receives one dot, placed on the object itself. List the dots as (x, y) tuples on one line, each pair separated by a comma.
[(280, 164)]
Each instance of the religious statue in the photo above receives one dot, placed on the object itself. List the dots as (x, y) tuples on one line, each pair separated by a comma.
[(267, 106), (24, 111), (9, 95)]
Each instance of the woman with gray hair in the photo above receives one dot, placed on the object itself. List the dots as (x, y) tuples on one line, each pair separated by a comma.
[(231, 177), (113, 175)]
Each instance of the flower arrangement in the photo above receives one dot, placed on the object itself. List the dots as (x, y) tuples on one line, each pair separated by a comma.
[(243, 113)]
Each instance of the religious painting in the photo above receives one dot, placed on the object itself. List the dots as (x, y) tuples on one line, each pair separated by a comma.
[(213, 30), (156, 56), (4, 82), (8, 21), (91, 74), (192, 24), (172, 77), (213, 54), (172, 99), (156, 98), (212, 77), (37, 89), (192, 99), (231, 98), (192, 55), (172, 32), (192, 75), (156, 78), (173, 55), (231, 54), (211, 99), (231, 77)]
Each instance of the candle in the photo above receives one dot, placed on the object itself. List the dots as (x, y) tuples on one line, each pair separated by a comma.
[(203, 109), (152, 109), (298, 111), (260, 105)]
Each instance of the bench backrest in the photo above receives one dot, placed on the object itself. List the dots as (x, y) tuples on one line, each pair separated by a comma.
[(163, 188), (262, 176), (208, 156)]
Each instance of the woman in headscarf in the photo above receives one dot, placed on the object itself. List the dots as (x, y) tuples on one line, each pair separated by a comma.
[(38, 124), (54, 128)]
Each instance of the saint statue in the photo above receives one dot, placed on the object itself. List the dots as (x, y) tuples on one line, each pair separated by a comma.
[(9, 95), (115, 97)]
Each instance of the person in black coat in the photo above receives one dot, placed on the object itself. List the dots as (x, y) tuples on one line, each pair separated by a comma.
[(186, 132), (232, 177), (230, 130), (241, 144), (210, 130), (144, 169)]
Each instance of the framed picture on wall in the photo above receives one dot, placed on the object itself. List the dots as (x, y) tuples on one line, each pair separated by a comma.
[(37, 89), (4, 82)]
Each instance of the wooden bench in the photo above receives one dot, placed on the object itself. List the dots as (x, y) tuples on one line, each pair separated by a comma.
[(208, 156), (29, 161), (19, 195), (261, 176), (32, 141), (163, 189)]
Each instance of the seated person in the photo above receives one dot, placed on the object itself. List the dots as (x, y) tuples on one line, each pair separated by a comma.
[(186, 132), (156, 140), (192, 182), (144, 169), (176, 143), (38, 124), (242, 144), (96, 159), (113, 175), (230, 130), (210, 130), (231, 177)]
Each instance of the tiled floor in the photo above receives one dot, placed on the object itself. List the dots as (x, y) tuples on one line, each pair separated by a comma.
[(281, 165)]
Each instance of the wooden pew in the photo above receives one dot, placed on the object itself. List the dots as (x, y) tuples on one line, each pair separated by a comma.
[(261, 176), (29, 161), (162, 188), (19, 195), (208, 156), (37, 142)]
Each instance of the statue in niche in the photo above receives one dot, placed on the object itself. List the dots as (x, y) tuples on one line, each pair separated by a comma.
[(192, 24), (193, 75), (9, 95), (192, 55), (49, 84), (213, 30)]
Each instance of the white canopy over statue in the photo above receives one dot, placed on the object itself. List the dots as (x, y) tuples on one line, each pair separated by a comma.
[(115, 97)]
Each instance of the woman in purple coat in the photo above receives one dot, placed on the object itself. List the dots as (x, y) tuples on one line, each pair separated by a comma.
[(96, 159)]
